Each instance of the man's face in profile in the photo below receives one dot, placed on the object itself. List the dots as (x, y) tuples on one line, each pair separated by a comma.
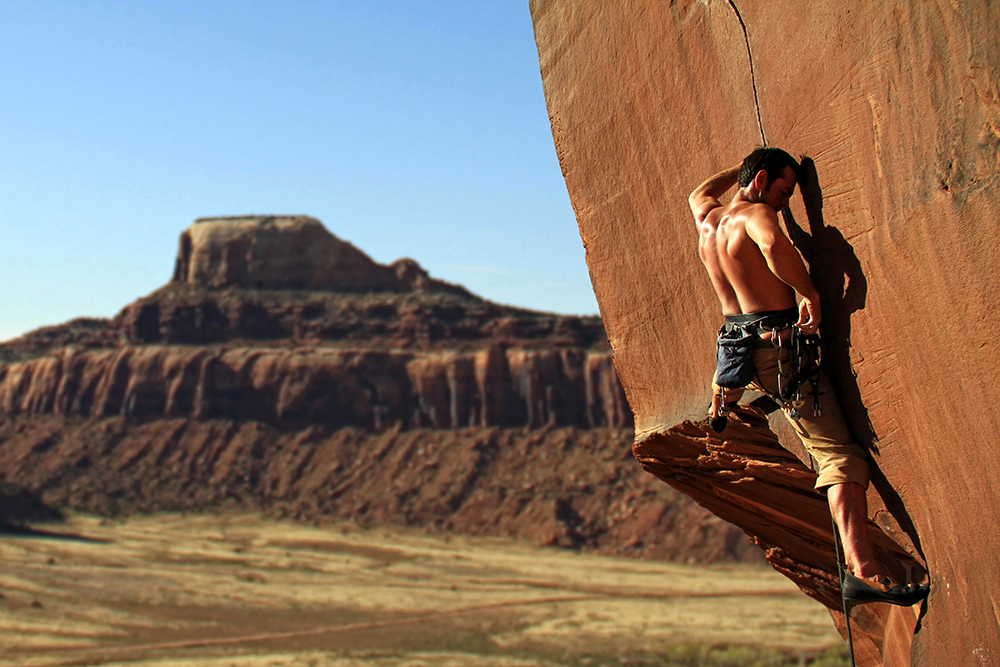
[(777, 193)]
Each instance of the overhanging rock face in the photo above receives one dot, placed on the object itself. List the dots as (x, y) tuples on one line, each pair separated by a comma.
[(897, 110)]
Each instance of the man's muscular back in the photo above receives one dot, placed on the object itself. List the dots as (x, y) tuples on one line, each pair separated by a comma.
[(708, 250), (752, 264), (740, 260)]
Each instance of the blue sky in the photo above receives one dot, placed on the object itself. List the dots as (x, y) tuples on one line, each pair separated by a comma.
[(411, 129)]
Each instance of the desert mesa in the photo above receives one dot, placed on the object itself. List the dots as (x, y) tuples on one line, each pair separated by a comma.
[(283, 370)]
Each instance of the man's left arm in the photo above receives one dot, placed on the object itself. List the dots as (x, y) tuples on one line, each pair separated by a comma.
[(786, 264), (706, 196)]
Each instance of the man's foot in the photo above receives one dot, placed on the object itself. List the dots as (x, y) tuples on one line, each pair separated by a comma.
[(874, 589)]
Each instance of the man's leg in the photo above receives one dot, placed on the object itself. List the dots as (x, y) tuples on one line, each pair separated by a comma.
[(849, 507), (843, 475)]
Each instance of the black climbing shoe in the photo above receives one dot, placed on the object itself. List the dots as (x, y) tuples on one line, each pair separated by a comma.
[(856, 591), (718, 424)]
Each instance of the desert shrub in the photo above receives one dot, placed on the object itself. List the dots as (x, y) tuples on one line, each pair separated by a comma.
[(701, 655)]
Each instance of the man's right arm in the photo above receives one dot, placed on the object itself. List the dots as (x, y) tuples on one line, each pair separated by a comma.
[(706, 196), (785, 263)]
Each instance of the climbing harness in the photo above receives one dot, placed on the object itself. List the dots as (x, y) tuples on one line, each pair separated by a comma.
[(841, 569), (742, 334)]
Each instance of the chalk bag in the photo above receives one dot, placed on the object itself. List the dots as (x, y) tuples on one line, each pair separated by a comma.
[(735, 369)]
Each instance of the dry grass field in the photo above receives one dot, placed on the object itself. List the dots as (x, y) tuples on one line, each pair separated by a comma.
[(242, 591)]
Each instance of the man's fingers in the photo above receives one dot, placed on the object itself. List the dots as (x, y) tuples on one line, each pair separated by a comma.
[(809, 326), (808, 317)]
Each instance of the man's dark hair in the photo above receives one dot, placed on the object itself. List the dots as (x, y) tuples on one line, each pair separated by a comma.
[(771, 160)]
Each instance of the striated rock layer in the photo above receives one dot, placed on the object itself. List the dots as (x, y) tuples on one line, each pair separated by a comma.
[(336, 387), (304, 385), (897, 110)]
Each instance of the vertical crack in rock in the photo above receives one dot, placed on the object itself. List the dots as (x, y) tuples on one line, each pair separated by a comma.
[(753, 80)]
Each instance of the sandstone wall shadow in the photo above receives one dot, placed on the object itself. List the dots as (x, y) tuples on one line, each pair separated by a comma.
[(843, 287)]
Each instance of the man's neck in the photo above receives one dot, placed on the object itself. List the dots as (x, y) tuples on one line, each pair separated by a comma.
[(745, 195)]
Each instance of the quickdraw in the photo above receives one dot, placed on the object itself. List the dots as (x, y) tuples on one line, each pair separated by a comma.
[(802, 365)]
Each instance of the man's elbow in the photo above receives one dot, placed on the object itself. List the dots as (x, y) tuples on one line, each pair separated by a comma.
[(699, 203), (696, 198)]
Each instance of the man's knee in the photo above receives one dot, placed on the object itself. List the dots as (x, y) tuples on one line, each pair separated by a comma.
[(846, 465)]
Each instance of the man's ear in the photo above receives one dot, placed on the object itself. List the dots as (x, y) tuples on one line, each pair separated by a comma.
[(760, 180)]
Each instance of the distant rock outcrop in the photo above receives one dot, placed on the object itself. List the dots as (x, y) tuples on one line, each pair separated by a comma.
[(897, 108), (283, 369), (280, 252)]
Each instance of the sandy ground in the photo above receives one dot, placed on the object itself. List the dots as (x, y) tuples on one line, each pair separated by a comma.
[(241, 591)]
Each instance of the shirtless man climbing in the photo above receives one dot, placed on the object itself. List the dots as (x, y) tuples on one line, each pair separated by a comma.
[(757, 274)]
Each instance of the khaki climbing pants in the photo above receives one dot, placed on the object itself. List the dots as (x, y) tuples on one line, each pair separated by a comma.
[(826, 438)]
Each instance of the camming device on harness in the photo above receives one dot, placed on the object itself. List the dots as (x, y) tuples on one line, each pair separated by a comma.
[(742, 334)]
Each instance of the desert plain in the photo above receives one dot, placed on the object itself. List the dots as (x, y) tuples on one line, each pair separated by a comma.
[(237, 589)]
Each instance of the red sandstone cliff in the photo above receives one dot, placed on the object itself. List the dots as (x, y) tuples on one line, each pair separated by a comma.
[(282, 369), (897, 108)]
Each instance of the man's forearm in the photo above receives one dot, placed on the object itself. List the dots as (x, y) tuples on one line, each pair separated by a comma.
[(784, 261)]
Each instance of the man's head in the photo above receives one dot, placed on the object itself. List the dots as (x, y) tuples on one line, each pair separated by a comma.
[(772, 174)]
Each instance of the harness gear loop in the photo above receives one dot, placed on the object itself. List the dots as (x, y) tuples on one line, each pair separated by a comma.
[(804, 360), (723, 408), (814, 357), (783, 375)]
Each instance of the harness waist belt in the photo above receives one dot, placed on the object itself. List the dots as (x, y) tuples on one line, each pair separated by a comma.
[(766, 320)]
